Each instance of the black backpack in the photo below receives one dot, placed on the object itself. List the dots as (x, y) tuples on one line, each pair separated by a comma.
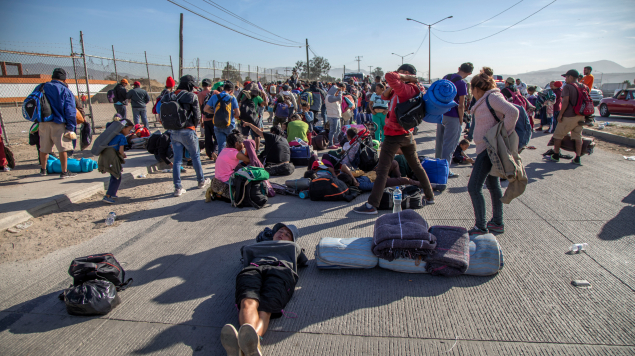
[(173, 114), (248, 111), (410, 113), (328, 189), (368, 156), (411, 198), (153, 143), (248, 194), (86, 135), (102, 266), (280, 169)]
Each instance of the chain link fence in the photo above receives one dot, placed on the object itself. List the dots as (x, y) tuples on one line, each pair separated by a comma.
[(92, 71)]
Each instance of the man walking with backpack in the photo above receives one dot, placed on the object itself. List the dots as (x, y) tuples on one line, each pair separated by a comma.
[(449, 131), (207, 127), (403, 88), (139, 98), (224, 108), (185, 138), (121, 97), (568, 119)]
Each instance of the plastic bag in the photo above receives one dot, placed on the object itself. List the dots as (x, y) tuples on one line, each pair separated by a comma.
[(94, 297)]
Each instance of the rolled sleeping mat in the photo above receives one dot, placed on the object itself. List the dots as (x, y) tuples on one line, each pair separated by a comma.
[(439, 100), (345, 253)]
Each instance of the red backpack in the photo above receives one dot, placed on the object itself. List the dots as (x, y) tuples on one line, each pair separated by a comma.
[(584, 106)]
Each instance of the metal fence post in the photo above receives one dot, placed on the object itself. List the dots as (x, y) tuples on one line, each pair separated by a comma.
[(75, 69), (114, 62), (171, 67), (149, 84), (4, 130), (90, 104), (198, 69), (249, 71)]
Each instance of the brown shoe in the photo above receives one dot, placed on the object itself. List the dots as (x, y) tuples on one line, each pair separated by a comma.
[(249, 341)]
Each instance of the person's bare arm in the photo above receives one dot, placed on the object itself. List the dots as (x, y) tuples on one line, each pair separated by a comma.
[(236, 112), (565, 105), (123, 154), (208, 109), (241, 156), (255, 129)]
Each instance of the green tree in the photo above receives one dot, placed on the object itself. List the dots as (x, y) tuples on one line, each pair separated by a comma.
[(378, 72), (231, 73), (318, 66)]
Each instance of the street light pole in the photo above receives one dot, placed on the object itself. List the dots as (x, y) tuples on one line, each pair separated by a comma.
[(429, 44), (403, 56)]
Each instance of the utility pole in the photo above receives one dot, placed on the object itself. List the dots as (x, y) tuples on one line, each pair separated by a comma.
[(429, 45), (114, 62), (286, 71), (398, 55), (308, 71), (181, 47), (359, 60), (370, 70), (344, 74)]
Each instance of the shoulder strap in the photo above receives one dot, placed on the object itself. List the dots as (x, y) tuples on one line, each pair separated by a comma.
[(491, 109)]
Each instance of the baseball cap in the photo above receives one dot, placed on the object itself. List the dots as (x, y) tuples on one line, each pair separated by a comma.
[(510, 80), (572, 72), (207, 82), (136, 83)]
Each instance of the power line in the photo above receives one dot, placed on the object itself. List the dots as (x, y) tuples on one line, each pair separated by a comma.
[(420, 44), (485, 20), (245, 20), (229, 28), (505, 29)]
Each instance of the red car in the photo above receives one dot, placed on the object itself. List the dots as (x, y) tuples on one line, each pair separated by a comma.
[(623, 103)]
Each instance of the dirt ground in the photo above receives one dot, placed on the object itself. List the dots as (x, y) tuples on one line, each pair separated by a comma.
[(626, 131)]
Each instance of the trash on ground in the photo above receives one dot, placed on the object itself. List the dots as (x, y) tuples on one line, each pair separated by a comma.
[(141, 176), (581, 283), (531, 147), (576, 248), (110, 219), (24, 226), (631, 158)]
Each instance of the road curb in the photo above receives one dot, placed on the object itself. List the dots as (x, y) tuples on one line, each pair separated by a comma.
[(609, 137), (61, 201)]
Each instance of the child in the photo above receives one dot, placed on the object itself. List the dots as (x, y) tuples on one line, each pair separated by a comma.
[(263, 287), (226, 162), (532, 98), (106, 156), (459, 156), (307, 116)]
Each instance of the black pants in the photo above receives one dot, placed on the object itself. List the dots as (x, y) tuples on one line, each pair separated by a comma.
[(210, 138), (271, 285)]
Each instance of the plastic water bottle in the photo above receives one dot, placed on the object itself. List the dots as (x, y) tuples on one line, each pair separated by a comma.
[(168, 170), (110, 219), (578, 247), (304, 194), (301, 142), (396, 198)]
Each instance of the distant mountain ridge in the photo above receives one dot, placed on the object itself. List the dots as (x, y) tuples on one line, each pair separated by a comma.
[(603, 66)]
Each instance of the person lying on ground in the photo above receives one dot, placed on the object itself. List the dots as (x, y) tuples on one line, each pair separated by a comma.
[(263, 288), (276, 147), (229, 158)]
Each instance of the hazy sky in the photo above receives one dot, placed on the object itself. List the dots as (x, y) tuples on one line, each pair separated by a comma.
[(565, 32)]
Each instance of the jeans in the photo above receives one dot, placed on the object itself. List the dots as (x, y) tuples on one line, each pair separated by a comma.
[(121, 110), (554, 122), (221, 136), (448, 137), (387, 155), (470, 134), (113, 186), (323, 110), (185, 139), (480, 174), (210, 137), (136, 112), (334, 129), (261, 112), (380, 120)]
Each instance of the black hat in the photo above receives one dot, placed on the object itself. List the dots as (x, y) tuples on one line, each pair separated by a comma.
[(285, 87), (187, 82), (572, 72), (206, 82), (408, 68), (59, 73)]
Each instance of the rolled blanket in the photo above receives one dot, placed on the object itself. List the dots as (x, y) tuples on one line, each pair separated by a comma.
[(404, 235), (439, 100), (452, 255)]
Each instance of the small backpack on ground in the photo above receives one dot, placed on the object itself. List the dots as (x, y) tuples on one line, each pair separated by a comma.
[(94, 297), (306, 98), (173, 114), (223, 112), (153, 142), (319, 142), (36, 107), (328, 189), (280, 169), (247, 188), (10, 159), (103, 266), (584, 105), (110, 95)]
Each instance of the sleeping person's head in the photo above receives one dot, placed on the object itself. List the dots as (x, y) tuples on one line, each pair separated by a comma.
[(285, 232)]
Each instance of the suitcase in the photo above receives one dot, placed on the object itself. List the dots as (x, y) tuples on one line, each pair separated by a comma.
[(436, 169), (588, 144), (300, 155)]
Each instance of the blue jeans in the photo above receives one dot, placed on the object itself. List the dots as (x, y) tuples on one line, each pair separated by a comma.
[(480, 174), (185, 139), (221, 136), (113, 186), (323, 110), (448, 137), (470, 134), (334, 129), (136, 112), (121, 110)]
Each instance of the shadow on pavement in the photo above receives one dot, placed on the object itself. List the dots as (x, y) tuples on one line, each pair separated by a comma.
[(540, 170), (621, 225)]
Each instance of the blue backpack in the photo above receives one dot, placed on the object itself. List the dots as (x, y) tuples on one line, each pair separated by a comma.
[(36, 107), (282, 110), (523, 127)]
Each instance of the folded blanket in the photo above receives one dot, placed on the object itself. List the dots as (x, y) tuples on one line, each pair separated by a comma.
[(452, 255), (404, 235)]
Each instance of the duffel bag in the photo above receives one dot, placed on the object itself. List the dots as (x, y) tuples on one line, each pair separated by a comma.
[(328, 189), (436, 169), (280, 169), (102, 266), (94, 297), (338, 253), (588, 144)]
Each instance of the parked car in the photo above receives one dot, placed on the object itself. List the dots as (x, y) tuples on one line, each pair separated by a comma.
[(623, 103), (597, 96)]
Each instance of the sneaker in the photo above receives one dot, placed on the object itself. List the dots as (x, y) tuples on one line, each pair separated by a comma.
[(555, 157), (577, 161), (249, 341), (202, 184), (366, 209), (429, 202), (495, 228), (43, 172), (108, 200), (6, 169), (68, 174), (189, 163), (229, 340), (453, 175), (179, 191), (476, 231)]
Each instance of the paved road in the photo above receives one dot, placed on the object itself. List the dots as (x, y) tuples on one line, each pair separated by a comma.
[(617, 119), (184, 254)]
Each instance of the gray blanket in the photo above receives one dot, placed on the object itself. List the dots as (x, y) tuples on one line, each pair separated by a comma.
[(452, 255), (404, 235), (102, 141)]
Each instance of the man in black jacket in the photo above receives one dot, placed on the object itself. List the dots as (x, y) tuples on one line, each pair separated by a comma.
[(263, 287), (121, 97)]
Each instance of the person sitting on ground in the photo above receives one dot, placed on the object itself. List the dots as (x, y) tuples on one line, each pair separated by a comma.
[(459, 156), (117, 144), (308, 117), (263, 287), (229, 158), (297, 128), (277, 149)]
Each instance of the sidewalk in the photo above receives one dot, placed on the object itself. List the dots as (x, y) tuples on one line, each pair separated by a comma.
[(37, 195)]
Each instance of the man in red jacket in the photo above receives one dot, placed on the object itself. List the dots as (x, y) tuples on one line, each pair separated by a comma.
[(402, 87)]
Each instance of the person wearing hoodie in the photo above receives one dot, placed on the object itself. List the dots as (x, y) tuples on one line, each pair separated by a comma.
[(334, 112), (263, 287), (186, 138), (402, 88), (121, 97), (318, 98)]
